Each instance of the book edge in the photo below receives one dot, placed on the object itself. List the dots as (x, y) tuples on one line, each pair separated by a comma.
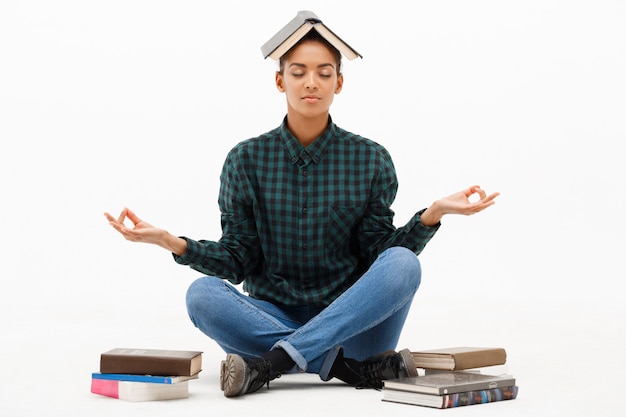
[(412, 385), (296, 29), (153, 379), (445, 398), (459, 358), (287, 31), (135, 391), (154, 362)]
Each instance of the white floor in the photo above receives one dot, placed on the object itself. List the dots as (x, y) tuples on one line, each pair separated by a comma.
[(131, 103), (565, 356)]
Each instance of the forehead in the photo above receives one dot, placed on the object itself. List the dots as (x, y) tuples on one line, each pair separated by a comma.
[(311, 52)]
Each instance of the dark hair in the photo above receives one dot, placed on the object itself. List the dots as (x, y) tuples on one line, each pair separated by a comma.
[(312, 36)]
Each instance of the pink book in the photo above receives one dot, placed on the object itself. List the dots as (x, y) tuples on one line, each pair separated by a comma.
[(139, 391)]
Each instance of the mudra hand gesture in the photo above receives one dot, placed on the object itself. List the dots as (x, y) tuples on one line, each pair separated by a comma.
[(458, 203)]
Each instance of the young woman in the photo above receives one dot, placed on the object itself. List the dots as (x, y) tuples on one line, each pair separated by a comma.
[(308, 229)]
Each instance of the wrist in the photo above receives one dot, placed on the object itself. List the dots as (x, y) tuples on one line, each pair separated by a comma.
[(432, 215), (174, 244)]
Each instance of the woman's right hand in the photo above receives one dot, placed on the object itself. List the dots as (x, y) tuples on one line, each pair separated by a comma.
[(141, 230), (144, 232)]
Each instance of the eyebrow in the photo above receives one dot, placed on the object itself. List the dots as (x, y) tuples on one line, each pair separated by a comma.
[(296, 64)]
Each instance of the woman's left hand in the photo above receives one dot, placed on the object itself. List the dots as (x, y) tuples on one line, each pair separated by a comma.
[(458, 203)]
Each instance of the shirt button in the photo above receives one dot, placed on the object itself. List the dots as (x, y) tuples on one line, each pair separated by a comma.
[(294, 159), (305, 173), (305, 246), (304, 210)]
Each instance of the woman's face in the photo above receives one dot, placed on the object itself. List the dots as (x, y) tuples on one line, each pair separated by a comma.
[(309, 79)]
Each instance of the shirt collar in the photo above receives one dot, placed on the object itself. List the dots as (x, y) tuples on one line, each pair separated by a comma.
[(312, 153)]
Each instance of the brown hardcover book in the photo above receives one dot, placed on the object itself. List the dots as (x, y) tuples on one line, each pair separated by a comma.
[(459, 358), (151, 362), (295, 30)]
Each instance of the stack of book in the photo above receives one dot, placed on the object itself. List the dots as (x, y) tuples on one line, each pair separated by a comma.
[(454, 377), (146, 374)]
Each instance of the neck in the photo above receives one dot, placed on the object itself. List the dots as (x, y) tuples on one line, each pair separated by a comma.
[(306, 129)]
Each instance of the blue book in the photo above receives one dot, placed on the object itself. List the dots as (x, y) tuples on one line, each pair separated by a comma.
[(143, 378)]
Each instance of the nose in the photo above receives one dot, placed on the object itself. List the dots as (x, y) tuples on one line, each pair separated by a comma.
[(311, 84)]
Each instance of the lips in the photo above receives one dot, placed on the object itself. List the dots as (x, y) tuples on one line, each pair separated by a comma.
[(311, 98)]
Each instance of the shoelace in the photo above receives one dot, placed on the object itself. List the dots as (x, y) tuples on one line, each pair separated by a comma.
[(263, 377), (372, 377)]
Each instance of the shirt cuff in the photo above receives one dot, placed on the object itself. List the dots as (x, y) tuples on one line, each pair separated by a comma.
[(190, 254), (416, 221)]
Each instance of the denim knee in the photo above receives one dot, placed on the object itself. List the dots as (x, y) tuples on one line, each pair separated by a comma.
[(198, 295), (406, 264)]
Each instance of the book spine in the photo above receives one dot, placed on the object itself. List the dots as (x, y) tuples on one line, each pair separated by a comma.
[(133, 378), (146, 365), (105, 387), (479, 397), (479, 359)]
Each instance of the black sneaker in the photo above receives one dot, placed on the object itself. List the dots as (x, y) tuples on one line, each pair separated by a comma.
[(387, 365), (239, 376)]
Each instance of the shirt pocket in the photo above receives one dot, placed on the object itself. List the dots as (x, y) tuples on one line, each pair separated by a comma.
[(340, 225)]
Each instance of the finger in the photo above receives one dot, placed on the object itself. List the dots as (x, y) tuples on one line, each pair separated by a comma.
[(481, 206), (471, 190), (114, 224), (133, 217), (491, 197), (122, 217)]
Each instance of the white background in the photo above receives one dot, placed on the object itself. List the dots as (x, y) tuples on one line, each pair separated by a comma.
[(106, 104)]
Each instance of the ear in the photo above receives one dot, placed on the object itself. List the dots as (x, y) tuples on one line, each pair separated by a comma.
[(280, 82), (339, 84)]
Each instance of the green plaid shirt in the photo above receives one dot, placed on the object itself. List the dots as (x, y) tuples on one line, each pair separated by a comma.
[(301, 224)]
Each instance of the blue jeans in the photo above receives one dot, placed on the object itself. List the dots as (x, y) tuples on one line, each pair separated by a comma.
[(365, 320)]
